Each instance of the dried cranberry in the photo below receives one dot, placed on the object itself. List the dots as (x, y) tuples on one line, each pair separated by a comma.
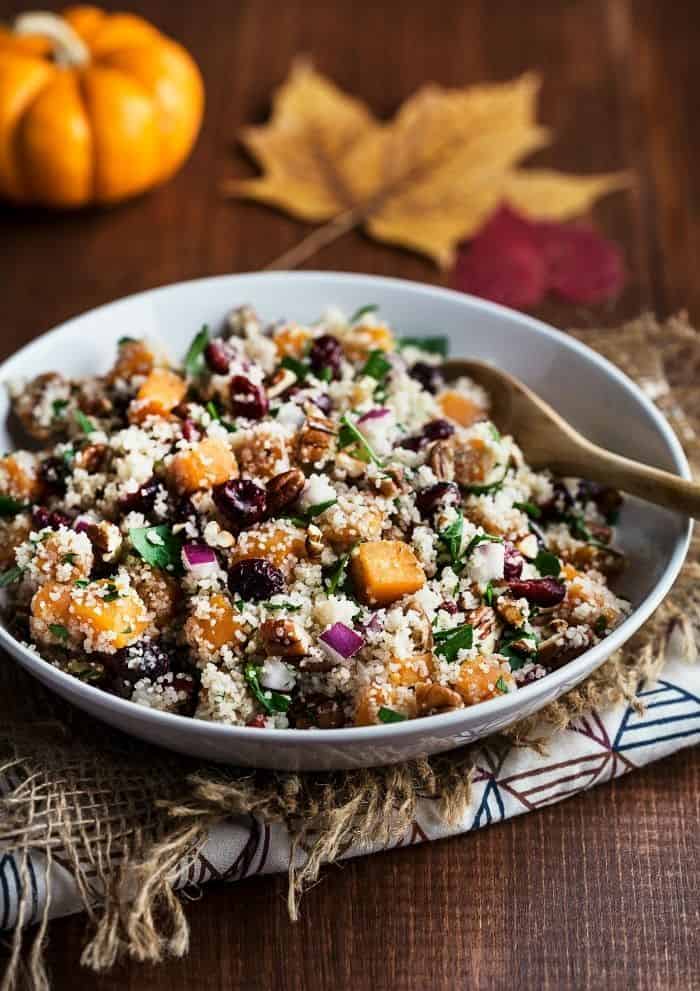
[(185, 684), (543, 592), (190, 430), (218, 356), (255, 579), (449, 607), (42, 517), (143, 500), (326, 352), (184, 508), (146, 659), (438, 430), (241, 501), (257, 722), (437, 496), (608, 501), (429, 376), (512, 563), (248, 399), (53, 473), (559, 503)]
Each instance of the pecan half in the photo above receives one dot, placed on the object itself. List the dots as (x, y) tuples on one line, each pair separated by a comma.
[(483, 622), (557, 650), (315, 440), (436, 698), (284, 489), (509, 610), (92, 457), (283, 638), (442, 460)]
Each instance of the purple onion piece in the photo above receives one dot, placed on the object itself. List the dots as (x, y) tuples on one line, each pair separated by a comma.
[(199, 560), (374, 414), (543, 592), (373, 626), (339, 642), (512, 563)]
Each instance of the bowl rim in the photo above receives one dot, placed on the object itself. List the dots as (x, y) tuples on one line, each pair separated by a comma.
[(458, 720)]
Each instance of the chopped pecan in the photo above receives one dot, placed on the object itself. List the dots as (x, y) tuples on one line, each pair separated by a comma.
[(432, 697), (483, 622), (284, 489), (511, 611), (283, 638), (557, 650), (280, 382), (262, 453), (472, 463), (442, 460), (92, 457), (316, 439)]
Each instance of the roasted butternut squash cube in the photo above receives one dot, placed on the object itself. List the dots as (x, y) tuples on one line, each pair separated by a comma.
[(344, 529), (19, 476), (483, 678), (291, 340), (218, 625), (207, 463), (63, 556), (384, 571), (159, 591), (158, 395), (361, 340), (460, 408), (134, 358), (279, 542), (106, 617), (374, 697), (408, 671), (49, 619)]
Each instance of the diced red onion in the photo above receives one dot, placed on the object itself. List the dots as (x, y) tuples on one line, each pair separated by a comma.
[(339, 642), (374, 414), (199, 560), (81, 523)]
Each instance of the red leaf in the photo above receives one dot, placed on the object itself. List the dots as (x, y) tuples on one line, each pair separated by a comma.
[(515, 261)]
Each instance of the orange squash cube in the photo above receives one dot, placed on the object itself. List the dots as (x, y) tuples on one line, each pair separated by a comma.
[(384, 571), (207, 463), (19, 477), (481, 679), (460, 408), (107, 621), (361, 340), (291, 340), (410, 671), (158, 395), (206, 635), (49, 613), (280, 543), (134, 358), (372, 698)]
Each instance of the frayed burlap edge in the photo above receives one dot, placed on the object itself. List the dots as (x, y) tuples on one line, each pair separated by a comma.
[(123, 817)]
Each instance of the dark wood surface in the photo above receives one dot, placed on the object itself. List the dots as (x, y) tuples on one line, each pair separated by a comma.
[(600, 891)]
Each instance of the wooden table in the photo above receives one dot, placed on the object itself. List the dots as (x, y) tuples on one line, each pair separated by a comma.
[(600, 891)]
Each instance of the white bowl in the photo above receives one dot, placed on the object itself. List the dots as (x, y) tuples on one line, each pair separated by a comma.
[(586, 389)]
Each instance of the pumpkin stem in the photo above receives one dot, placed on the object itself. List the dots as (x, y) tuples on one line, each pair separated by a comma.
[(69, 49)]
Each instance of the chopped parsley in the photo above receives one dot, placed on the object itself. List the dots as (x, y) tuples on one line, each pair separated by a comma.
[(433, 345), (363, 312), (377, 366), (448, 643), (548, 564), (529, 508), (451, 537), (270, 701), (125, 340), (85, 424), (81, 582), (10, 506), (495, 433), (600, 625), (489, 487), (158, 546), (59, 630), (338, 574), (297, 367), (311, 513), (10, 576), (111, 594), (390, 715), (194, 359), (481, 538), (59, 408), (502, 686), (213, 411), (326, 374), (350, 435), (489, 594), (515, 655)]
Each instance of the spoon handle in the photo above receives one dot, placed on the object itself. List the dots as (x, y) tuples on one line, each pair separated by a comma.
[(652, 484)]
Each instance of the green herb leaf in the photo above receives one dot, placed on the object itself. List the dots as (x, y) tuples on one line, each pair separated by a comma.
[(390, 715), (600, 625), (451, 537), (448, 643), (326, 374), (158, 546), (495, 433), (338, 574), (212, 410), (376, 366), (350, 434), (85, 424), (59, 630), (59, 407), (269, 700), (297, 367), (10, 576), (548, 564), (274, 606), (489, 488), (194, 359), (87, 671), (529, 508), (313, 511), (502, 686), (81, 582), (363, 311), (489, 594), (433, 345), (513, 654), (10, 506), (112, 593), (68, 456), (480, 538)]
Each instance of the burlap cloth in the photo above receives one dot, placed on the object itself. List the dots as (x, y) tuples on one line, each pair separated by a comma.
[(124, 817)]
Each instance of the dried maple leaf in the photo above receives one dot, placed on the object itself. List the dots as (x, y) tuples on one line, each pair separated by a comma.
[(425, 180)]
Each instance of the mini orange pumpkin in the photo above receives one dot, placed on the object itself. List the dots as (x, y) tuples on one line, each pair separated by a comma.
[(94, 107)]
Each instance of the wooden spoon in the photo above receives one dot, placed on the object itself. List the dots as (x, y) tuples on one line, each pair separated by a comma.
[(548, 441)]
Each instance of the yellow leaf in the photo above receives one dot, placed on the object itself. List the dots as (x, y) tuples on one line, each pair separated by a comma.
[(544, 194), (425, 180)]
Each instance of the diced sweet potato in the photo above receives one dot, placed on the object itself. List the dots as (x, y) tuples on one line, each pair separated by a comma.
[(158, 395), (208, 463), (372, 698), (384, 571), (279, 542), (583, 590), (291, 340), (460, 408), (261, 452), (221, 625), (19, 477), (63, 556), (409, 671), (473, 461), (49, 613), (483, 678), (159, 591), (134, 358), (343, 530), (361, 340), (106, 617)]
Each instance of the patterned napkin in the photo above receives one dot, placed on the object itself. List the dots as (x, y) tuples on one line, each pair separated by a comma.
[(507, 782)]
